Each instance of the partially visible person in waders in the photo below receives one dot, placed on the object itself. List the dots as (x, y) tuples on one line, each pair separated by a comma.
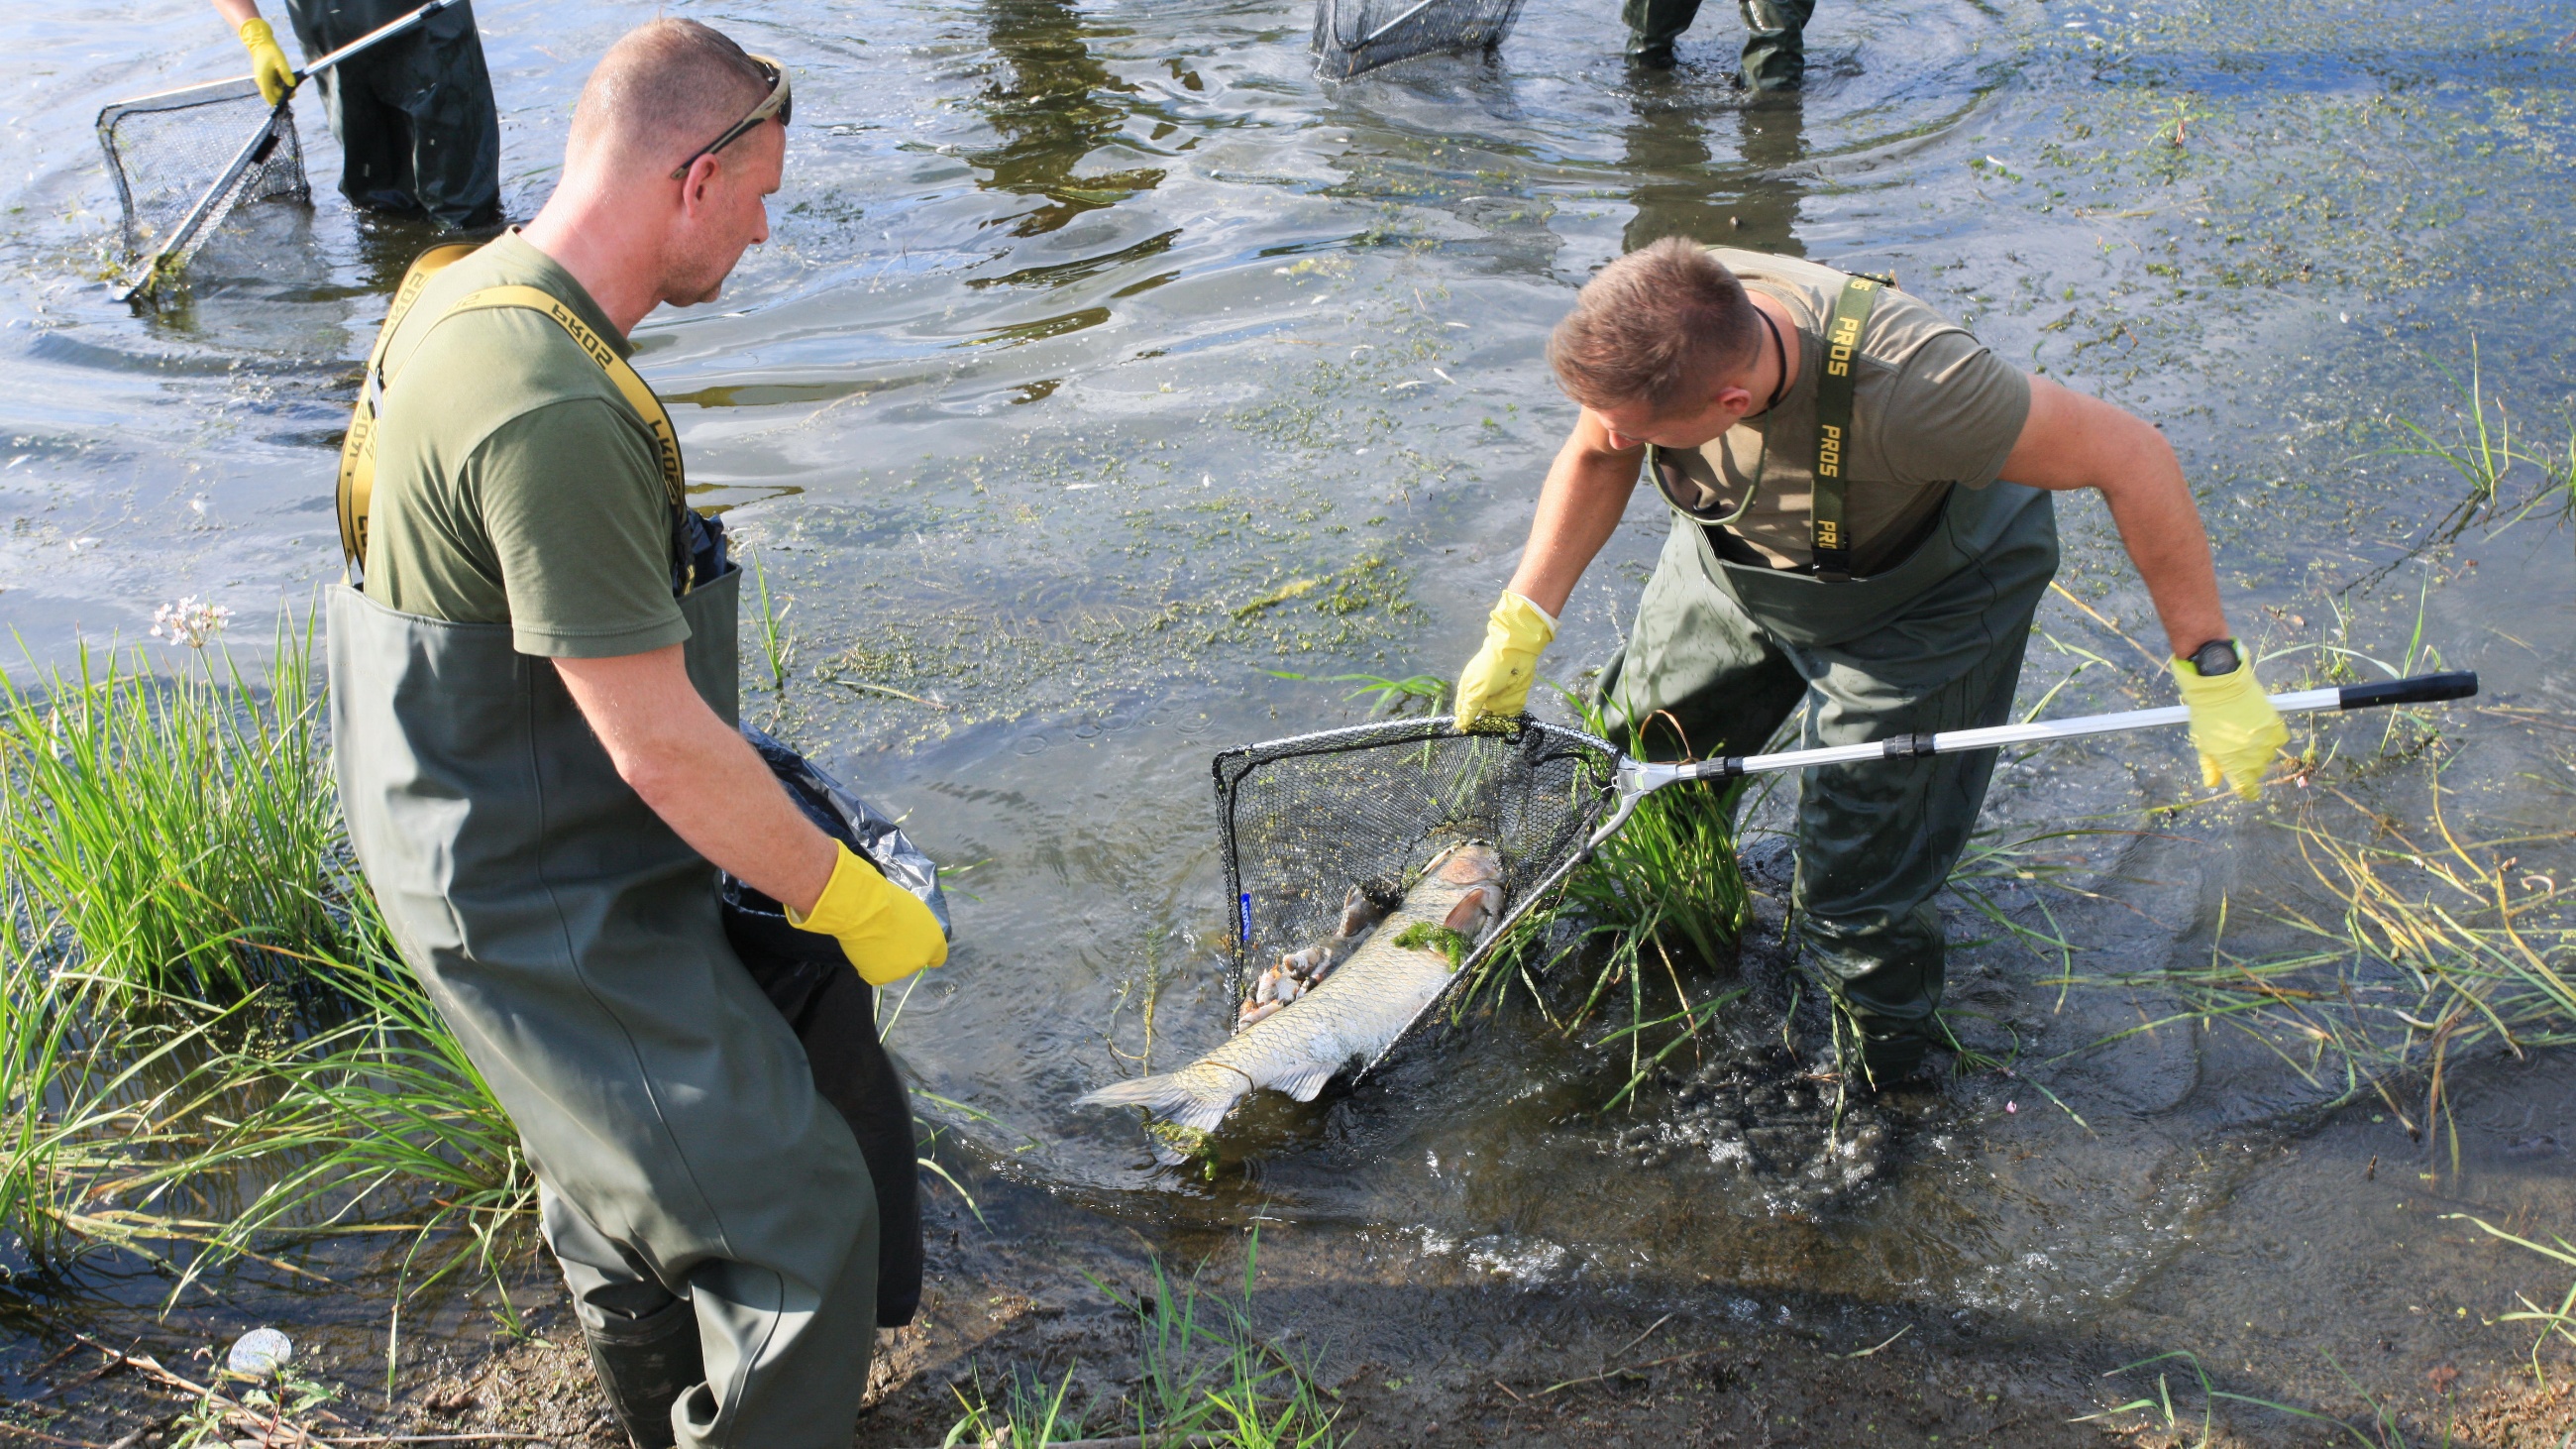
[(414, 117), (533, 684), (1861, 524), (1775, 38)]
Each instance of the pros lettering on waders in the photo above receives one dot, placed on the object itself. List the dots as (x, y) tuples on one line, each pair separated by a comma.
[(1827, 535), (358, 449)]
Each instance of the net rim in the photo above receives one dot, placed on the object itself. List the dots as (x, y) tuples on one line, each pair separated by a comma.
[(216, 92)]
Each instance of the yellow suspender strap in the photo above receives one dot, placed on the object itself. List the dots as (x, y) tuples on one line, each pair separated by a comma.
[(358, 454), (358, 449), (1830, 538)]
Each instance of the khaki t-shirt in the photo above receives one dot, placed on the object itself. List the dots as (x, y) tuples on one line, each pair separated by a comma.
[(513, 484), (1932, 409)]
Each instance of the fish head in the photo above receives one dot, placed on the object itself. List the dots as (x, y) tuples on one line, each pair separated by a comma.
[(1472, 864)]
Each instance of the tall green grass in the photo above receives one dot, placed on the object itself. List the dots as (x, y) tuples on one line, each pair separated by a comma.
[(180, 830), (1661, 903), (374, 1119), (88, 1091)]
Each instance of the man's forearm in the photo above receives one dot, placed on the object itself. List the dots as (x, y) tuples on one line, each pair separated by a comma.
[(2159, 526), (717, 794), (2072, 441), (1579, 508), (236, 11), (699, 774)]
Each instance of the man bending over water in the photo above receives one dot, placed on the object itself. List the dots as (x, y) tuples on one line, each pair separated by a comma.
[(1844, 537)]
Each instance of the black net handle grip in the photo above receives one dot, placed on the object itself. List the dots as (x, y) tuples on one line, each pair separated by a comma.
[(2420, 689)]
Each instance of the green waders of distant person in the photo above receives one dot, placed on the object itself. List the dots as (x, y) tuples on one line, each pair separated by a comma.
[(414, 117), (533, 687), (1835, 455), (1775, 39)]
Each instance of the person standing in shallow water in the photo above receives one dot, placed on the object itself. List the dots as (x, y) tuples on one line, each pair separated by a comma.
[(1844, 538), (532, 698), (414, 117), (1775, 39)]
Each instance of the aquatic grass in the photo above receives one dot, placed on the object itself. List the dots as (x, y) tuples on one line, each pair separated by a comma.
[(1028, 1416), (777, 642), (180, 830), (2380, 1429), (2557, 1323), (2424, 950), (89, 1091), (378, 1123), (2478, 449), (1205, 1375), (1662, 899), (1427, 694)]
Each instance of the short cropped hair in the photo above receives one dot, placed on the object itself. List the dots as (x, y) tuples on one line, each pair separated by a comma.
[(664, 90), (1652, 326)]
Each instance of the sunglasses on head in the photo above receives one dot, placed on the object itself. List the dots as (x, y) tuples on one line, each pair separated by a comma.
[(775, 106)]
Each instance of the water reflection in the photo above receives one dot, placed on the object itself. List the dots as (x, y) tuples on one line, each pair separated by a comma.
[(1684, 189), (1049, 97)]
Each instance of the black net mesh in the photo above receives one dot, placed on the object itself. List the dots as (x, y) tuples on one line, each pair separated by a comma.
[(1352, 36), (164, 152), (1306, 819)]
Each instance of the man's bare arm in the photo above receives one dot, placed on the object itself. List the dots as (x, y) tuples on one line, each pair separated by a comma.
[(699, 774), (1579, 508), (2073, 441)]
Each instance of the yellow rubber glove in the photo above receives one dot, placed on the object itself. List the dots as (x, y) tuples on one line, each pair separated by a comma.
[(1496, 683), (269, 66), (885, 930), (2233, 725)]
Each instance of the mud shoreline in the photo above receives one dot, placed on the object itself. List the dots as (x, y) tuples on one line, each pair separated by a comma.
[(1577, 1365)]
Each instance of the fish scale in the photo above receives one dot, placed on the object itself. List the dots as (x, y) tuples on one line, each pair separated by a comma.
[(1356, 1013)]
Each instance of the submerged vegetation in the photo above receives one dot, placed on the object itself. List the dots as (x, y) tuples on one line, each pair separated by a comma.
[(2423, 950)]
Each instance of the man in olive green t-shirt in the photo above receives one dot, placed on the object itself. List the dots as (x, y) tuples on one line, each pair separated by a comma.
[(531, 495), (532, 696), (1844, 537)]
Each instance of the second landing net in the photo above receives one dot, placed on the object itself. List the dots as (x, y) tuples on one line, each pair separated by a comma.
[(1352, 36)]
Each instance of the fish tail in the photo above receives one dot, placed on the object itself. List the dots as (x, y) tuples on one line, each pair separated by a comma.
[(1188, 1098)]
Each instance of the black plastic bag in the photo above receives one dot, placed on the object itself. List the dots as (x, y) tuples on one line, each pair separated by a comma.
[(833, 1011)]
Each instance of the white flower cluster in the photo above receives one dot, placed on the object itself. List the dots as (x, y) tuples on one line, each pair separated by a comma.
[(189, 622)]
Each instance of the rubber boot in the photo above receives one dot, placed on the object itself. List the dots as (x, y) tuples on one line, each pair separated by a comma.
[(1653, 26), (643, 1365), (1775, 44), (1889, 1057)]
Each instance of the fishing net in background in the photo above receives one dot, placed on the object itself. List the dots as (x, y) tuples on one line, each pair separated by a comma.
[(172, 156), (1352, 36), (1306, 819)]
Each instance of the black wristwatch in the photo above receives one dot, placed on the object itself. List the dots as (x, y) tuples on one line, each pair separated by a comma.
[(2215, 658)]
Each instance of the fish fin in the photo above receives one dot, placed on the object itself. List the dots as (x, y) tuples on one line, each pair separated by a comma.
[(1474, 911), (1176, 1097), (1307, 1084)]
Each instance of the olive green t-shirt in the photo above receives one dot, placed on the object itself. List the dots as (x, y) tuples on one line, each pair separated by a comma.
[(1932, 409), (513, 483)]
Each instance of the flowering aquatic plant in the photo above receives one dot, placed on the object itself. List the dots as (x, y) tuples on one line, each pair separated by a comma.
[(189, 621)]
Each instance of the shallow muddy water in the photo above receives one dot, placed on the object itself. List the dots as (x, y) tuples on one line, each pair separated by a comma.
[(1089, 333)]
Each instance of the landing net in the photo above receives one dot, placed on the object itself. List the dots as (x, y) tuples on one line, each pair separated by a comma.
[(165, 152), (1308, 818), (1352, 36)]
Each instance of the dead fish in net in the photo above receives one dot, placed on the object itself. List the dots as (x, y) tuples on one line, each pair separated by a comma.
[(1299, 972), (1351, 1016)]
